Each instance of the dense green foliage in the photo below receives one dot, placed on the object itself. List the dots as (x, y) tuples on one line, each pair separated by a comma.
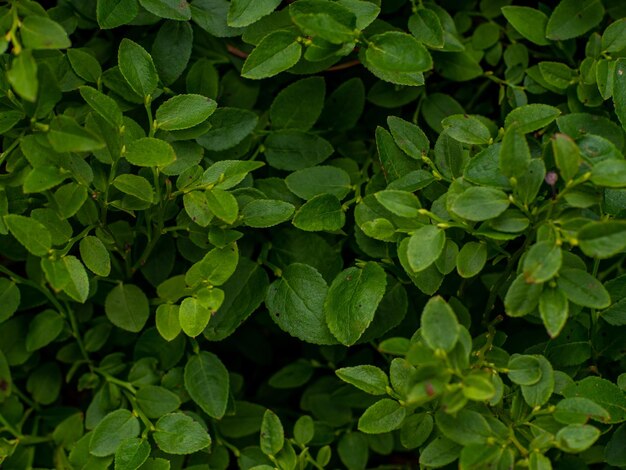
[(312, 234)]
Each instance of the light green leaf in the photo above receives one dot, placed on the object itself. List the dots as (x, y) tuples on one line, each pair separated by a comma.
[(114, 428), (542, 262), (439, 326), (43, 329), (23, 76), (193, 317), (148, 151), (522, 297), (156, 401), (105, 106), (40, 32), (277, 52), (33, 235), (466, 129), (95, 255), (471, 259), (310, 182), (603, 239), (9, 299), (179, 434), (266, 213), (425, 246), (134, 185), (385, 415), (529, 22), (531, 117), (321, 213), (480, 203), (577, 437), (215, 268), (368, 378), (184, 111), (167, 321), (272, 434), (131, 453)]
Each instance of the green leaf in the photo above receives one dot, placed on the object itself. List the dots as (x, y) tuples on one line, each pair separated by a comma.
[(310, 182), (539, 393), (40, 32), (131, 453), (66, 135), (167, 321), (277, 52), (296, 303), (466, 129), (114, 13), (425, 246), (43, 329), (401, 203), (9, 299), (615, 453), (171, 52), (266, 213), (294, 150), (304, 430), (578, 410), (85, 64), (440, 452), (134, 185), (330, 21), (613, 36), (156, 401), (514, 153), (114, 428), (609, 173), (222, 204), (415, 430), (299, 105), (583, 289), (95, 255), (522, 297), (368, 378), (425, 25), (480, 203), (542, 262), (524, 369), (148, 151), (531, 117), (577, 437), (604, 393), (566, 156), (554, 310), (385, 415), (137, 67), (179, 434), (409, 137), (602, 239), (323, 212), (171, 9), (105, 106), (33, 235), (207, 382), (353, 450), (126, 306), (439, 326), (23, 76), (245, 12), (193, 317), (352, 300), (471, 259), (572, 18), (215, 268), (184, 111), (395, 164), (398, 58), (229, 127), (272, 434), (465, 428), (529, 22)]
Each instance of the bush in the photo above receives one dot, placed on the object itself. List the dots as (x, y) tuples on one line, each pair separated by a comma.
[(313, 234)]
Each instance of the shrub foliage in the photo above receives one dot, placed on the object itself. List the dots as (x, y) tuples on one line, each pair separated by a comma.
[(312, 234)]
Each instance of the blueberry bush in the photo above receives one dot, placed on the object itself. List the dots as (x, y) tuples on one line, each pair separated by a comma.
[(310, 234)]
